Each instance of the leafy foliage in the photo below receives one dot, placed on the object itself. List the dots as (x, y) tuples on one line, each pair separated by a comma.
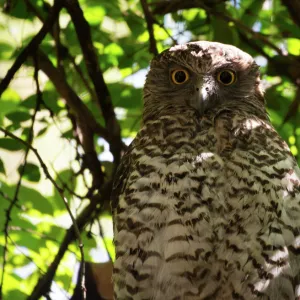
[(62, 118)]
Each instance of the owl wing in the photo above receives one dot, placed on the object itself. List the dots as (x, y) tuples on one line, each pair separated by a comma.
[(263, 170), (121, 177)]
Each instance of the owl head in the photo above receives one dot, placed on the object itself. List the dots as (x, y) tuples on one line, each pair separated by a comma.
[(203, 75)]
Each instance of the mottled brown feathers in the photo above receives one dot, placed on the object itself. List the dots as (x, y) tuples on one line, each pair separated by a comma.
[(206, 202)]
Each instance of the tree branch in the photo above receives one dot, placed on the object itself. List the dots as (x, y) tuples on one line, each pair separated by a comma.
[(44, 283), (254, 34), (104, 100), (6, 197), (85, 120), (22, 171), (166, 6), (65, 50), (150, 22), (32, 46), (83, 115)]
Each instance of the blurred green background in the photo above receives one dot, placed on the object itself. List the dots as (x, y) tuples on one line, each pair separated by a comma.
[(75, 146)]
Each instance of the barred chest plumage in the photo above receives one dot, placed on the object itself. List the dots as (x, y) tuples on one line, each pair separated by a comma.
[(209, 209)]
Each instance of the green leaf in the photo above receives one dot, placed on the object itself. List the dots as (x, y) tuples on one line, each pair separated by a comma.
[(19, 260), (42, 131), (9, 101), (94, 14), (250, 14), (224, 31), (50, 98), (64, 178), (196, 21), (18, 116), (28, 240), (108, 166), (10, 288), (113, 49), (22, 223), (110, 247), (33, 199), (135, 23), (31, 172), (20, 10), (6, 50), (11, 144), (293, 46), (29, 102), (68, 134), (63, 280), (2, 168), (125, 95)]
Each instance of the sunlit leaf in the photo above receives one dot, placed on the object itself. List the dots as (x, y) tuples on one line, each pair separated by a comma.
[(116, 28), (94, 14), (5, 50), (33, 199), (293, 46), (9, 101)]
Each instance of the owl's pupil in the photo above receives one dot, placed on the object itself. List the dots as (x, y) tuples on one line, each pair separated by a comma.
[(226, 77), (180, 76)]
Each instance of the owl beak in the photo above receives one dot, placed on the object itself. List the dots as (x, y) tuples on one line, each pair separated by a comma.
[(201, 96)]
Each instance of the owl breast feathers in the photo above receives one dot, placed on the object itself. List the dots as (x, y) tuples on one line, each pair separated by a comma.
[(206, 201)]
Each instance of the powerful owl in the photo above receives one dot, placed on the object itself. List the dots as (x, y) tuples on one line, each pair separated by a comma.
[(206, 201)]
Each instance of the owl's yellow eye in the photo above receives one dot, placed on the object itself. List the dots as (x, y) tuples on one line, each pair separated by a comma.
[(180, 76), (226, 77)]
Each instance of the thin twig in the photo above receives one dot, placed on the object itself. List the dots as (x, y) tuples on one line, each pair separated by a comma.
[(8, 219), (164, 7), (84, 134), (27, 256), (44, 283), (59, 190), (83, 115), (39, 234), (253, 45), (43, 165), (6, 197), (22, 171), (166, 31), (256, 35), (32, 46)]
